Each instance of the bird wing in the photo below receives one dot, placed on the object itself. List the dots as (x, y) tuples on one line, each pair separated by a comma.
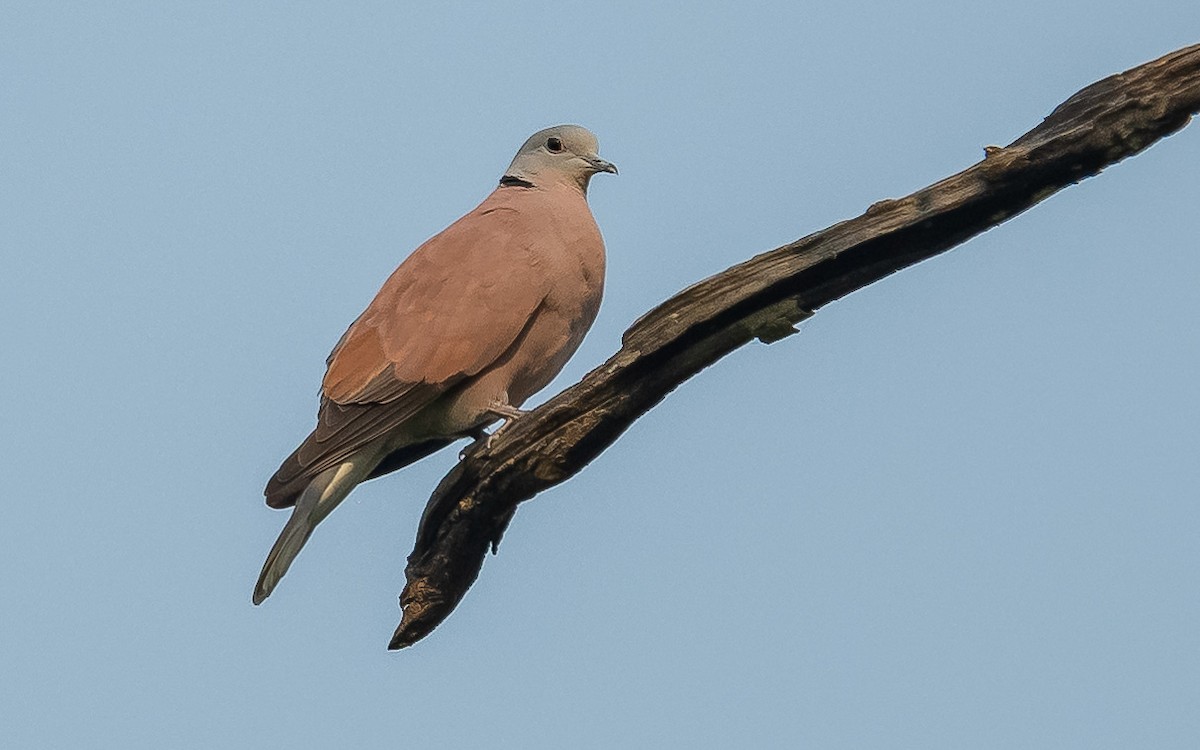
[(452, 309)]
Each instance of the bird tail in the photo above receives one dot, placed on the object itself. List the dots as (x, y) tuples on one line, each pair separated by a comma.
[(319, 498)]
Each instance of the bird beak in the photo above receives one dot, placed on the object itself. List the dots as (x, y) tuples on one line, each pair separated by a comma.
[(600, 165)]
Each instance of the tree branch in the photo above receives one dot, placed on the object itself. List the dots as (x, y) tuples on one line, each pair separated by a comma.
[(763, 298)]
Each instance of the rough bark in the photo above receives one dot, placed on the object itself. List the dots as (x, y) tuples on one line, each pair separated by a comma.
[(763, 298)]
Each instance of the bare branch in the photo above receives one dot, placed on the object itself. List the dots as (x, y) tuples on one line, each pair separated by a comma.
[(763, 298)]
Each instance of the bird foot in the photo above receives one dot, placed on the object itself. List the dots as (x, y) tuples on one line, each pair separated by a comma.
[(483, 440), (505, 412)]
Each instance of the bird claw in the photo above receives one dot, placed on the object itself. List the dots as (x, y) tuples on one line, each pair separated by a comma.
[(481, 441)]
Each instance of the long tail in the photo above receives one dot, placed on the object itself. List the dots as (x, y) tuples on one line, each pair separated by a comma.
[(319, 498)]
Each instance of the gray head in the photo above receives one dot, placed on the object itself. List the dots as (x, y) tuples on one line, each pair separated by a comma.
[(563, 154)]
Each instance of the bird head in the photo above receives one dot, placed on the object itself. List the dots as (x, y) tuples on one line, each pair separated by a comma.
[(561, 154)]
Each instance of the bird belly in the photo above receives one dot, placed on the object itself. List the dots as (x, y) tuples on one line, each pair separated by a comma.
[(534, 359)]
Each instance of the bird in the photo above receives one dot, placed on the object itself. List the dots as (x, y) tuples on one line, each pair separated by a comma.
[(470, 325)]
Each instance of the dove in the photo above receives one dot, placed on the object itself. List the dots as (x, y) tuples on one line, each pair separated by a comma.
[(475, 321)]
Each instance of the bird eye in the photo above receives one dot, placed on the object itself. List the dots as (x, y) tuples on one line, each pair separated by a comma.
[(554, 145)]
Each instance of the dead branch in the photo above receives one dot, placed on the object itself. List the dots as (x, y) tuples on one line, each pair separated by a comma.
[(763, 298)]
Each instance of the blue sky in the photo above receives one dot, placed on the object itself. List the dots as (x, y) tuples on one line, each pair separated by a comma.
[(958, 510)]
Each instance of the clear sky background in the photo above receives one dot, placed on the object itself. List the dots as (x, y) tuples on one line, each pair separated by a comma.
[(959, 510)]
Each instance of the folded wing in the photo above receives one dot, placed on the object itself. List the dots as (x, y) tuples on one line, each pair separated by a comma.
[(451, 310)]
